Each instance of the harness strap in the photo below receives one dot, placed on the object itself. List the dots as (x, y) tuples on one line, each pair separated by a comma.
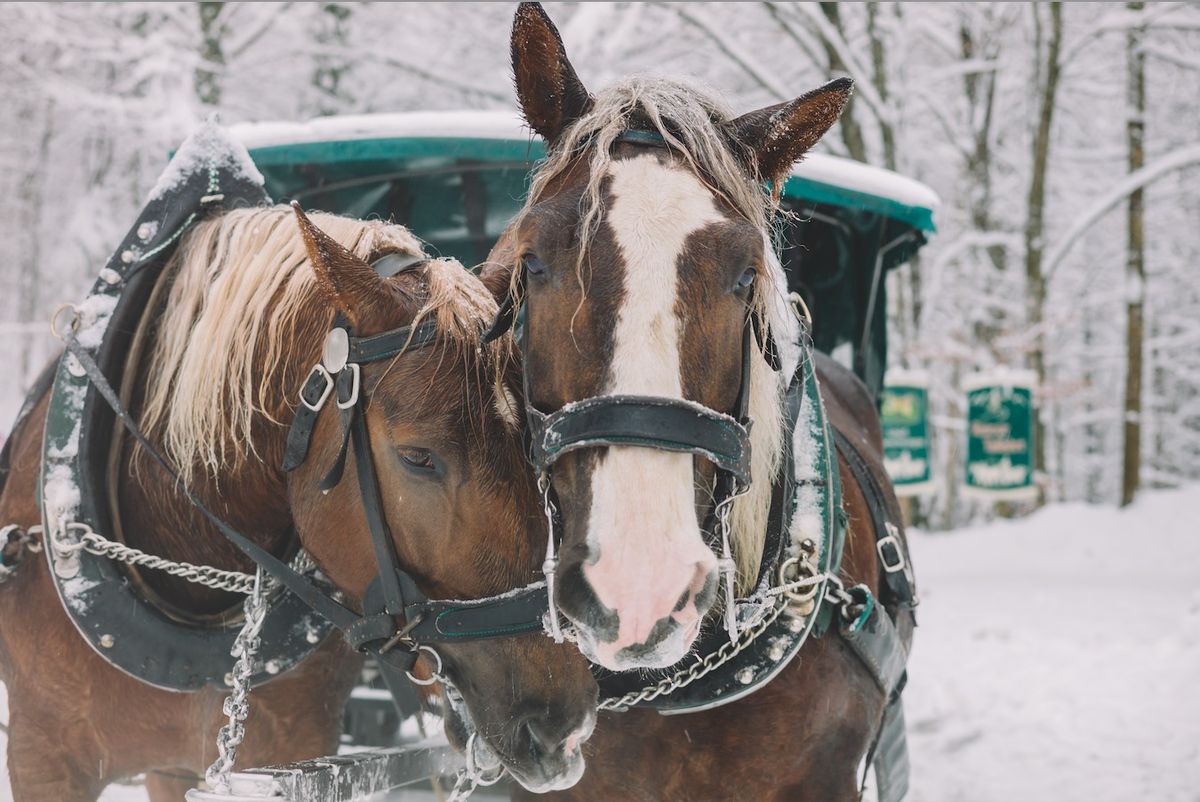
[(381, 533), (307, 590), (313, 394), (375, 633), (897, 568), (661, 423), (877, 644), (877, 641), (391, 343)]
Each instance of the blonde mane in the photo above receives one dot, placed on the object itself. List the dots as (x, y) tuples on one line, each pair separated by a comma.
[(243, 305), (691, 123)]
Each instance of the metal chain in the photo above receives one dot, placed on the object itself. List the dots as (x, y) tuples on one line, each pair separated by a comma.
[(236, 707), (216, 578), (713, 661), (729, 649), (470, 776)]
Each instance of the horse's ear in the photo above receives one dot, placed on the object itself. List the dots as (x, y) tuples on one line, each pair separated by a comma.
[(551, 94), (497, 272), (776, 137), (501, 278), (348, 282)]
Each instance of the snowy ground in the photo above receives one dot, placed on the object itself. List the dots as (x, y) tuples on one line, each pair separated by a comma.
[(1056, 660)]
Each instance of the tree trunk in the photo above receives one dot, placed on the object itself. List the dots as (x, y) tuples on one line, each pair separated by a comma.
[(980, 90), (851, 131), (879, 78), (212, 56), (1135, 263), (330, 71), (1035, 223)]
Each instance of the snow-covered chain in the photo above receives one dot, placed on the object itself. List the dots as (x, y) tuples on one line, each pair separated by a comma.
[(245, 646)]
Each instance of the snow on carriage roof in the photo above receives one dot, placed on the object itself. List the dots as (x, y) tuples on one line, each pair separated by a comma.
[(820, 177)]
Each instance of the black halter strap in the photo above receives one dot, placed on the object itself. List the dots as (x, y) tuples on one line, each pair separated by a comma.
[(667, 424), (394, 593)]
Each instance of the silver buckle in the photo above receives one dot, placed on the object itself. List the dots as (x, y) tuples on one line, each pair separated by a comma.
[(319, 369), (891, 539), (356, 373)]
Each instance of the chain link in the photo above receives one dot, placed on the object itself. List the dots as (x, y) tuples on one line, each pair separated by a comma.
[(713, 661), (783, 596), (236, 706), (215, 578)]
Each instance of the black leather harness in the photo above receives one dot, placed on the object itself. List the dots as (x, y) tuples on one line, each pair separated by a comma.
[(395, 613), (394, 594)]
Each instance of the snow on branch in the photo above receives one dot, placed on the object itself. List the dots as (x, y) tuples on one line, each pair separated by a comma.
[(1178, 159), (738, 55)]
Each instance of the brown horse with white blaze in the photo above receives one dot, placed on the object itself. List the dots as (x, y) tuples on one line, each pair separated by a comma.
[(642, 259), (241, 327)]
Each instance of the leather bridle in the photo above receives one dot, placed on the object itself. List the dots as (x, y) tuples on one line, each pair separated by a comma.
[(656, 422), (395, 612), (398, 622)]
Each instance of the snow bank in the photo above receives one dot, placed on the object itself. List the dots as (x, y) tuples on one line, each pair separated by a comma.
[(1057, 657)]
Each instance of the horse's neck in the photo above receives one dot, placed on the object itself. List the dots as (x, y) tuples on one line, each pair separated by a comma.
[(250, 494)]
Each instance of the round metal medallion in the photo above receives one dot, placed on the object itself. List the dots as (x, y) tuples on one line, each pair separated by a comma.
[(337, 350)]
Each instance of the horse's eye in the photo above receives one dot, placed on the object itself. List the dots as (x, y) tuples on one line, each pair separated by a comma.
[(747, 278), (533, 265), (419, 459)]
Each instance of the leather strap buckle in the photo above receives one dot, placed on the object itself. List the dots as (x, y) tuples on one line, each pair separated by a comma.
[(891, 556), (401, 635), (318, 370)]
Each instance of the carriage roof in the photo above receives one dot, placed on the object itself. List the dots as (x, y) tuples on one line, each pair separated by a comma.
[(457, 179), (504, 137)]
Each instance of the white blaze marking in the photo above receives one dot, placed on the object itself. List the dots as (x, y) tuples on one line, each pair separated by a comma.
[(643, 517)]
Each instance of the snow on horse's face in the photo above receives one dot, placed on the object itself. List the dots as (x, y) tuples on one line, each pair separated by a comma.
[(647, 296)]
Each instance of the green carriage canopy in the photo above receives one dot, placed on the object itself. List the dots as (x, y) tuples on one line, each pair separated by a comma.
[(457, 179)]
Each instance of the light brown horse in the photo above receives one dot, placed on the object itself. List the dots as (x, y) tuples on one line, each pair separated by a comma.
[(242, 325), (641, 260)]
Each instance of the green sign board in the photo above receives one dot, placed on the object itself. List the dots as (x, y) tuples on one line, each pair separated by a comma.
[(905, 416), (1000, 421)]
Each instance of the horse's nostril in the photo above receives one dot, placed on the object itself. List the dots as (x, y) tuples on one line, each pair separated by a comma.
[(551, 736), (543, 739), (704, 588)]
